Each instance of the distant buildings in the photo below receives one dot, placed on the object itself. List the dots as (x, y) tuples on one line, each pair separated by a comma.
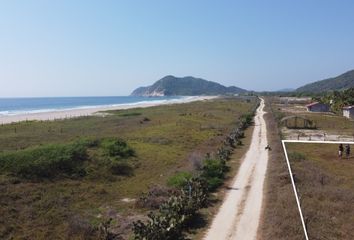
[(317, 107), (348, 111)]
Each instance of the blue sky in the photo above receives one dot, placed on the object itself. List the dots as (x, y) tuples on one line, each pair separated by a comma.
[(87, 48)]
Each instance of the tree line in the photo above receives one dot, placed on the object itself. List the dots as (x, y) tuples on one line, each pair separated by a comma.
[(337, 99)]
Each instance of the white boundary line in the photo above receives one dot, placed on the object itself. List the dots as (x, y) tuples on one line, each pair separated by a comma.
[(294, 188), (292, 178), (310, 141)]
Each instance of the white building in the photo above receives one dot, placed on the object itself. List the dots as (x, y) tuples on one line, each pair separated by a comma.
[(348, 112)]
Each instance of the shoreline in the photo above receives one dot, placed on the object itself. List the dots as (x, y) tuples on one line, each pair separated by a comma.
[(94, 111)]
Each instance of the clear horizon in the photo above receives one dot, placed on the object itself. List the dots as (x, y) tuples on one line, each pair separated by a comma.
[(88, 48)]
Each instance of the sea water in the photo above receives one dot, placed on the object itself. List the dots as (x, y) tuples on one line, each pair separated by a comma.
[(16, 106)]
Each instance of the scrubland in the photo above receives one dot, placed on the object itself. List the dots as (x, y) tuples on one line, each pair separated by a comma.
[(106, 165), (325, 186)]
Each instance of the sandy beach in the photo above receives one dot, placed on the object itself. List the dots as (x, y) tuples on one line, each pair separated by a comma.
[(79, 112)]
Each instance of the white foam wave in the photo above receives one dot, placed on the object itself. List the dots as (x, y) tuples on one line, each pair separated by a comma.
[(154, 102)]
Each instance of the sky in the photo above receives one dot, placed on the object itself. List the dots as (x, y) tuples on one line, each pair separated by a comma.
[(108, 48)]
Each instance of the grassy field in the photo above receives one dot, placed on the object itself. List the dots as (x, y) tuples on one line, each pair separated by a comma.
[(280, 219), (332, 124), (326, 188), (165, 140)]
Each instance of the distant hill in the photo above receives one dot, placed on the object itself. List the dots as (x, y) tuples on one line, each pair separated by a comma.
[(340, 82), (185, 86), (286, 90)]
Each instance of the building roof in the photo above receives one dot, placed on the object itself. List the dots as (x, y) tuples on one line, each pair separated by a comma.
[(348, 107), (312, 104)]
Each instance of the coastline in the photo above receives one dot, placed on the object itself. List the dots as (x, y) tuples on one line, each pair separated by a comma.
[(97, 111)]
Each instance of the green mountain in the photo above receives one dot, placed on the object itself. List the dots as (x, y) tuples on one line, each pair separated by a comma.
[(186, 86), (341, 82)]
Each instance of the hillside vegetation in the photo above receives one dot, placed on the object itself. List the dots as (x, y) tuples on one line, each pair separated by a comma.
[(186, 86), (338, 99), (341, 82)]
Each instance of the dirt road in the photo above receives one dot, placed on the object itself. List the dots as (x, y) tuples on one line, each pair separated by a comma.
[(238, 216)]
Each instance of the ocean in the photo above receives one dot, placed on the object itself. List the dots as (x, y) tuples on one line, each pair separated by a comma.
[(17, 106)]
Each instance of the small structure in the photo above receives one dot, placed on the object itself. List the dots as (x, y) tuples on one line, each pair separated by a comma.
[(298, 122), (317, 107), (348, 112)]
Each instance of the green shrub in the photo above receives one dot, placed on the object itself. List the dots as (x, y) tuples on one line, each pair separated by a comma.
[(158, 227), (172, 218), (213, 168), (197, 190), (115, 147), (224, 153), (179, 179), (213, 172), (214, 183), (248, 118), (45, 161)]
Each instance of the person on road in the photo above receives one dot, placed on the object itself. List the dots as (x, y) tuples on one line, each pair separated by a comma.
[(340, 151), (347, 151)]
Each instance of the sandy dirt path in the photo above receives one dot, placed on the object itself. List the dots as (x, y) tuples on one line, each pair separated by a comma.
[(239, 215)]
